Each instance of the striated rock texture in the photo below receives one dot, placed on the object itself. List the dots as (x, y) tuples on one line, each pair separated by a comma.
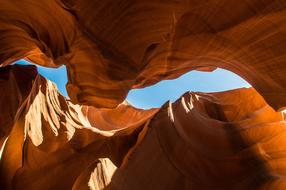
[(225, 140), (51, 141), (210, 141), (112, 46)]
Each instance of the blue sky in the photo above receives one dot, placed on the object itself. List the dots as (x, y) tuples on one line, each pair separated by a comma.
[(158, 94)]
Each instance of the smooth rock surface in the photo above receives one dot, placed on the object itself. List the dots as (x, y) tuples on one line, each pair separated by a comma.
[(112, 46), (224, 140)]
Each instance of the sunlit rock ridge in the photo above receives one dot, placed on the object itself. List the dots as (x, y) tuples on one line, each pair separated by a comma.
[(226, 140)]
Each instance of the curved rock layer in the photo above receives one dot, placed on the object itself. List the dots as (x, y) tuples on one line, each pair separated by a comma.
[(112, 46), (225, 140), (228, 140), (48, 133)]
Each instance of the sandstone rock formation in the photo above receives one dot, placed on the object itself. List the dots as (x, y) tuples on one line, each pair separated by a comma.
[(49, 134), (225, 140), (112, 46)]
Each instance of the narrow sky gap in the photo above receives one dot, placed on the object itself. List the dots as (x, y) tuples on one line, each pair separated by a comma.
[(57, 75), (158, 94)]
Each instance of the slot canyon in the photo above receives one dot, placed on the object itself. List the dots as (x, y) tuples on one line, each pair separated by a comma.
[(94, 139)]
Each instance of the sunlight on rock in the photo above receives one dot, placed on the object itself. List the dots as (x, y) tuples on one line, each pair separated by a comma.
[(81, 120)]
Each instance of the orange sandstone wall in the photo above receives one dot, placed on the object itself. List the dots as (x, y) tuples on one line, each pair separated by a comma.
[(225, 140), (112, 46)]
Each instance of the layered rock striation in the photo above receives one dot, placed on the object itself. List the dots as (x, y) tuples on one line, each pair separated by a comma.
[(224, 140), (112, 46)]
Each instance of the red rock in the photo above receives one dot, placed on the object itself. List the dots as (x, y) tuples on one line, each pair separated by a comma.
[(224, 140), (112, 46), (227, 140)]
